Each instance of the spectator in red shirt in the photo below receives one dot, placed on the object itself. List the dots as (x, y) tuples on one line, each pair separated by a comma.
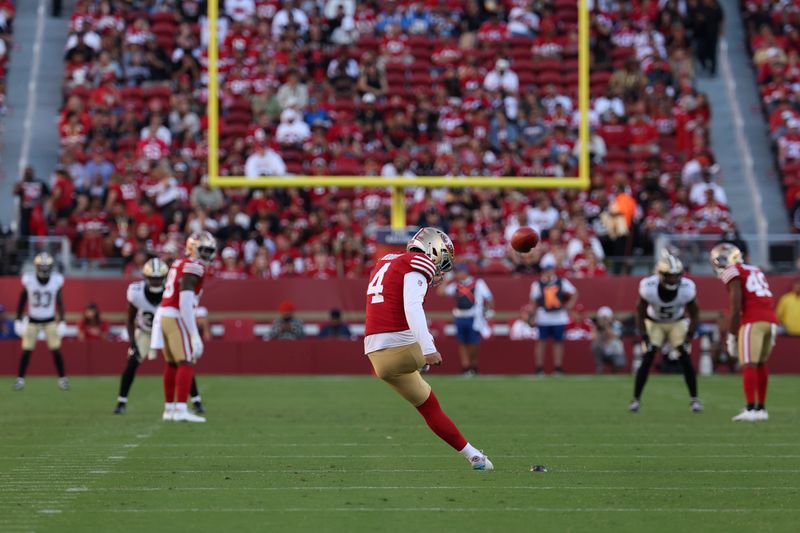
[(151, 218), (63, 197), (92, 327), (230, 269)]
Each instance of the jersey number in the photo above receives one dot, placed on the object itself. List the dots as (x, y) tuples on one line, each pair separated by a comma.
[(169, 286), (665, 312), (147, 319), (375, 287), (757, 283), (42, 298)]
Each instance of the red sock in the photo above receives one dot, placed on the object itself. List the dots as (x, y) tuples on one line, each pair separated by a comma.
[(184, 382), (169, 383), (761, 390), (440, 423), (750, 383)]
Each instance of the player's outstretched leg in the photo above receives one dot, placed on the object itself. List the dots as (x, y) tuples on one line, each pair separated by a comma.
[(125, 383), (690, 377), (398, 368), (183, 382), (762, 378), (197, 401), (58, 361), (19, 384), (170, 371), (750, 386), (641, 378)]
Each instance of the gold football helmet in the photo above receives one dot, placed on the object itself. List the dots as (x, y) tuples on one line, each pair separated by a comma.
[(723, 255), (155, 272), (436, 245), (43, 263), (201, 245), (670, 270)]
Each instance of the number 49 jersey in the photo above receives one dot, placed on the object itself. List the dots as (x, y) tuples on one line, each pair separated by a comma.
[(659, 310), (385, 306), (172, 287), (145, 309), (42, 296), (757, 302)]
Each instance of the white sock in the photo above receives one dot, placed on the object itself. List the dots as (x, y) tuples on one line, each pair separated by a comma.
[(169, 406), (181, 407), (470, 451), (195, 399), (122, 399)]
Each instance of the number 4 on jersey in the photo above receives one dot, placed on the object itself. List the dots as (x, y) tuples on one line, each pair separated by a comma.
[(375, 287)]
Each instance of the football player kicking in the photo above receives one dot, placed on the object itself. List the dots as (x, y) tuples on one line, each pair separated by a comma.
[(752, 327), (41, 291), (143, 299), (664, 298), (397, 340), (177, 325)]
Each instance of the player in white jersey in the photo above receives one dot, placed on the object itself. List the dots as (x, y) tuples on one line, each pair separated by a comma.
[(143, 300), (41, 291), (664, 300)]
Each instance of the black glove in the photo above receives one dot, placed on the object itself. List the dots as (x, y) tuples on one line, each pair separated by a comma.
[(133, 351), (647, 346)]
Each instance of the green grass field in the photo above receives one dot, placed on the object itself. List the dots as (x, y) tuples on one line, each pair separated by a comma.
[(346, 454)]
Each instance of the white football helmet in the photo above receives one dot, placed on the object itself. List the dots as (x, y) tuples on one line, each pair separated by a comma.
[(436, 245), (670, 270), (43, 263), (723, 255), (202, 246), (155, 272)]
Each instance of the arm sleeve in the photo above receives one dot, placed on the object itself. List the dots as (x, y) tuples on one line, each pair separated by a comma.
[(187, 312), (536, 292), (568, 287), (450, 289), (414, 288), (484, 288)]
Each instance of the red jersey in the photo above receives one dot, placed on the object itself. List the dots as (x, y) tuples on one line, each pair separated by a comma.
[(172, 288), (757, 302), (385, 308)]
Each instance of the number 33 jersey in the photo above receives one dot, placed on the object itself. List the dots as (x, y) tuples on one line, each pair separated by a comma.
[(145, 309), (659, 310), (42, 296), (757, 302)]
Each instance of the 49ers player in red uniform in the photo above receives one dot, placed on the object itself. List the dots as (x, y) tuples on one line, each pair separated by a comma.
[(397, 340), (178, 333), (752, 328)]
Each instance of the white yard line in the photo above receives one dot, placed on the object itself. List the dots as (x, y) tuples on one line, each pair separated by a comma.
[(424, 487), (559, 510)]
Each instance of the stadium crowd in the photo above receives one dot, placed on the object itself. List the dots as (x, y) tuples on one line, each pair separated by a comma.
[(774, 38), (7, 11), (435, 87)]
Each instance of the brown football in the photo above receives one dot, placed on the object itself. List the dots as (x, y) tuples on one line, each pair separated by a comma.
[(524, 240)]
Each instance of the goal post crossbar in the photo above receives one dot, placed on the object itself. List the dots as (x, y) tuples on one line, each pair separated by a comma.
[(399, 184)]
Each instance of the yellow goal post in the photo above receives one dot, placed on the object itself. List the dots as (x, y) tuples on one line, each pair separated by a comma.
[(398, 185)]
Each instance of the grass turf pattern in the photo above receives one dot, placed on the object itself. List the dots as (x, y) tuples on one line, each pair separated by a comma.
[(347, 454)]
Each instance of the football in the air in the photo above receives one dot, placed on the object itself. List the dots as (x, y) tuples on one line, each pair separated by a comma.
[(524, 240)]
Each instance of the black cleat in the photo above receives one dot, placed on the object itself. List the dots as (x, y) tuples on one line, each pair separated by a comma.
[(198, 408), (119, 409)]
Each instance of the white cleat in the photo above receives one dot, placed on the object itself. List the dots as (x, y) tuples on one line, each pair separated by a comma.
[(481, 462), (696, 406), (19, 384), (167, 415), (186, 416), (761, 415), (634, 406), (745, 416), (63, 383)]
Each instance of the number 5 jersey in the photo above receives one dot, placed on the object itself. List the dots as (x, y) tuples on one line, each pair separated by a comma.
[(757, 302), (658, 308)]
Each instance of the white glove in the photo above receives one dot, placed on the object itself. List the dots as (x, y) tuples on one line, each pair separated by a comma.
[(151, 355), (488, 314), (20, 326), (732, 345), (61, 329), (197, 347)]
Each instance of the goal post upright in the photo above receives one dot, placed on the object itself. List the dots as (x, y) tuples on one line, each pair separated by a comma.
[(399, 184)]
